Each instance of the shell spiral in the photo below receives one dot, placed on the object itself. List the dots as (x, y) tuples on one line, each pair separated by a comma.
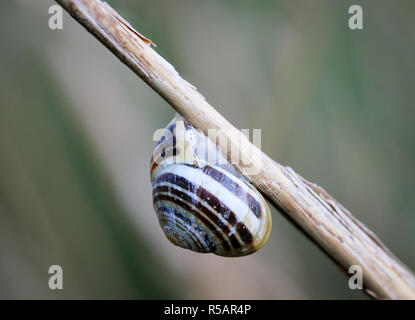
[(205, 206)]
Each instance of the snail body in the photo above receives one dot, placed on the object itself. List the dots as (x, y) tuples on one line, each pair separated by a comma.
[(205, 206)]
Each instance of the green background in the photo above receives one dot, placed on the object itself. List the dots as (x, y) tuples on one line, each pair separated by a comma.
[(76, 130)]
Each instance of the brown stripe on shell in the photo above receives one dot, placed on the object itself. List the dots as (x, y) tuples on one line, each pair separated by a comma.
[(244, 233), (201, 193), (212, 201), (235, 188), (171, 152), (185, 206), (182, 226), (185, 199)]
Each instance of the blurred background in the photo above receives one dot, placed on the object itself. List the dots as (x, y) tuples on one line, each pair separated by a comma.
[(76, 130)]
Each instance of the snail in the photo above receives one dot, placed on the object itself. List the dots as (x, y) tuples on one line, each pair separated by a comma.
[(205, 206)]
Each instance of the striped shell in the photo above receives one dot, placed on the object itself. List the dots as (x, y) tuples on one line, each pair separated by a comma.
[(205, 206)]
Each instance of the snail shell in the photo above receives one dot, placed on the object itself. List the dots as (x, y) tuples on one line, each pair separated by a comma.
[(202, 205)]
